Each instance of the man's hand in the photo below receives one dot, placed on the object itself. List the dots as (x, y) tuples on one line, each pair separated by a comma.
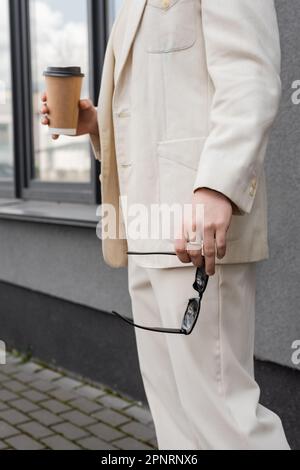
[(87, 121), (217, 218)]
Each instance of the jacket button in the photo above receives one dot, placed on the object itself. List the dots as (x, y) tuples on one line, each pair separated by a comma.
[(254, 182), (123, 114)]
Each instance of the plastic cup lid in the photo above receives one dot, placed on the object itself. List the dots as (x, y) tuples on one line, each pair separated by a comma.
[(63, 72)]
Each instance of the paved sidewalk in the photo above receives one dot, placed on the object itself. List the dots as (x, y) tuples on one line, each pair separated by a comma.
[(45, 409)]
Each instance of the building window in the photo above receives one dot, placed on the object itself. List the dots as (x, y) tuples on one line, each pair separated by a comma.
[(59, 37), (6, 117), (114, 8), (35, 34)]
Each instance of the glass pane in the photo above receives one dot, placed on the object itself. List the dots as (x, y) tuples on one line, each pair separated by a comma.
[(6, 122), (59, 37), (114, 7)]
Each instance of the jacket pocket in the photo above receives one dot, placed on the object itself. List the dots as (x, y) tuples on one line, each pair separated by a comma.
[(178, 162), (170, 25)]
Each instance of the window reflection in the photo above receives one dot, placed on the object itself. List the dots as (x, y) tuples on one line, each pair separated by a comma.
[(59, 37), (6, 120), (114, 7)]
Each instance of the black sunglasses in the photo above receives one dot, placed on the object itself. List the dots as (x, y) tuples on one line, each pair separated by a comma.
[(193, 308)]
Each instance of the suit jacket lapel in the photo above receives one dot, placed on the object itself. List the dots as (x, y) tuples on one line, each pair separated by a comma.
[(136, 9)]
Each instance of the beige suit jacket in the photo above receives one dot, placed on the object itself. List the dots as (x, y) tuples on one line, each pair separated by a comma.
[(202, 112)]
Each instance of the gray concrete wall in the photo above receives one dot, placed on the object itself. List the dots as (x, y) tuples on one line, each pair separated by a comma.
[(65, 262), (278, 298)]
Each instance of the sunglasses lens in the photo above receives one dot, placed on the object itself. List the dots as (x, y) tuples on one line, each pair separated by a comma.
[(201, 280), (191, 315)]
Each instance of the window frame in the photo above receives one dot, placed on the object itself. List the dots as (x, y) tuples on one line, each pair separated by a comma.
[(7, 187), (24, 186)]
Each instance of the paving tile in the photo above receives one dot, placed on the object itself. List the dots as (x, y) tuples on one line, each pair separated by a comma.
[(90, 392), (93, 443), (6, 395), (35, 429), (41, 408), (6, 430), (4, 377), (70, 431), (3, 445), (111, 417), (67, 383), (128, 443), (24, 405), (13, 416), (11, 359), (78, 418), (59, 443), (10, 369), (63, 395), (138, 430), (3, 406), (113, 401), (55, 406), (43, 385), (139, 413), (87, 406), (31, 367), (153, 443), (47, 374), (46, 417), (24, 377), (105, 432), (15, 386), (34, 395), (23, 442)]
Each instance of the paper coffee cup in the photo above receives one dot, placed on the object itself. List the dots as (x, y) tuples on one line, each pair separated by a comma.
[(63, 86)]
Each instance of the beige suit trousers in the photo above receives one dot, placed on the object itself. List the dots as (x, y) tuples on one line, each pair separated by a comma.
[(201, 388)]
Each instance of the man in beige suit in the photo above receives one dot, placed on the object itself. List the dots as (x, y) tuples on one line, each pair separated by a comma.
[(190, 89)]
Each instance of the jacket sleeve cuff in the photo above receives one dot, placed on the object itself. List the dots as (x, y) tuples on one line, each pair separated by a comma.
[(241, 195)]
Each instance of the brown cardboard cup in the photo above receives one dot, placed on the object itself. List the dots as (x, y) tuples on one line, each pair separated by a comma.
[(63, 86)]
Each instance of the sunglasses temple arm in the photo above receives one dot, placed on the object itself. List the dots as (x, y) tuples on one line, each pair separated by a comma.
[(159, 330), (149, 253)]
